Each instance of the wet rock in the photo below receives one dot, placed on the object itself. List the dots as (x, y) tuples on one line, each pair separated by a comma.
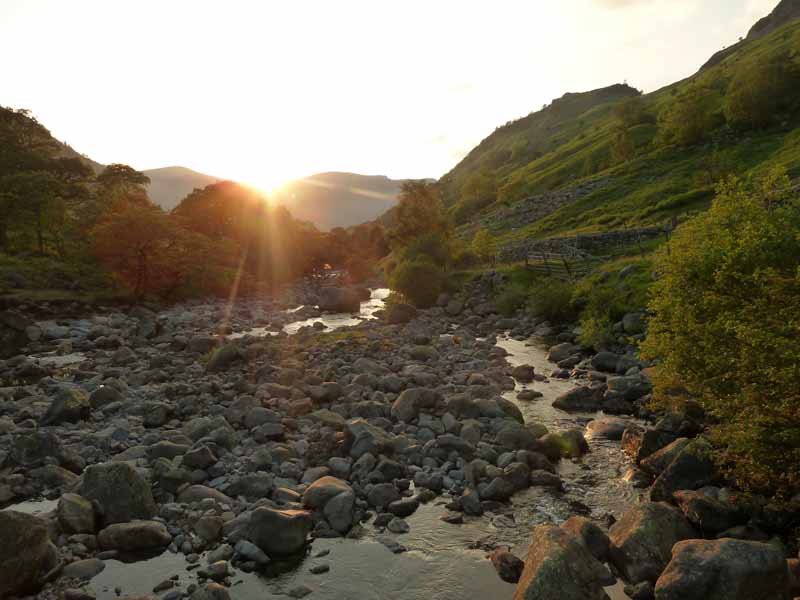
[(589, 532), (339, 511), (708, 514), (224, 358), (605, 361), (249, 551), (322, 490), (692, 468), (508, 566), (661, 459), (75, 514), (383, 494), (408, 404), (398, 525), (199, 458), (724, 570), (607, 428), (198, 493), (339, 300), (404, 507), (523, 373), (539, 478), (27, 556), (211, 591), (400, 313), (364, 438), (580, 399), (118, 491), (209, 528), (134, 536), (641, 542), (84, 569), (528, 395), (640, 443), (105, 395), (559, 566), (70, 405), (562, 351), (279, 532)]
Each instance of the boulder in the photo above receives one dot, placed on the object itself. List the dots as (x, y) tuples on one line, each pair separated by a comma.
[(225, 357), (118, 491), (580, 399), (661, 459), (397, 314), (408, 404), (198, 493), (523, 373), (691, 469), (725, 569), (560, 566), (339, 511), (322, 490), (607, 428), (508, 566), (211, 591), (589, 532), (562, 351), (605, 361), (70, 405), (75, 514), (27, 556), (134, 536), (642, 540), (279, 532), (339, 300), (364, 438), (708, 514)]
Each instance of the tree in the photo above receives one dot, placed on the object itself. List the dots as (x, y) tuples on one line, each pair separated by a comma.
[(757, 92), (483, 245), (122, 182), (690, 118), (420, 281), (623, 147), (632, 112), (419, 212), (726, 327)]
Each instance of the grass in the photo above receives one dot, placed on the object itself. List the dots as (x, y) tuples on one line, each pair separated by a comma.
[(567, 146)]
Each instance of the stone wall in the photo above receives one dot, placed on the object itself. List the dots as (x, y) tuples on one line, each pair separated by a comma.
[(593, 244)]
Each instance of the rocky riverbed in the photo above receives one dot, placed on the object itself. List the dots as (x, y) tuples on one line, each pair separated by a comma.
[(273, 449)]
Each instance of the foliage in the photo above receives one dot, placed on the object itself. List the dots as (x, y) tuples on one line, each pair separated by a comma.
[(511, 298), (483, 245), (690, 118), (758, 91), (551, 299), (419, 281), (726, 326), (418, 213)]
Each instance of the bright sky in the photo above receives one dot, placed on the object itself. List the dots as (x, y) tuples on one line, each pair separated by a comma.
[(265, 91)]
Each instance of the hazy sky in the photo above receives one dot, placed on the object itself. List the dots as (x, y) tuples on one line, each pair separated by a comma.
[(263, 91)]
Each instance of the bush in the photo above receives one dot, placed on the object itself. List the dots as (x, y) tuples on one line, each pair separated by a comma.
[(726, 326), (596, 332), (552, 300), (757, 92), (511, 298), (690, 118), (420, 282)]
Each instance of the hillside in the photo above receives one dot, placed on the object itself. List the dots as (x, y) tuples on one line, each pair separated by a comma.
[(169, 185), (573, 167), (339, 199)]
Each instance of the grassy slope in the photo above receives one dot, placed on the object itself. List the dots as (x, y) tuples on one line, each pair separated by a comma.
[(659, 183)]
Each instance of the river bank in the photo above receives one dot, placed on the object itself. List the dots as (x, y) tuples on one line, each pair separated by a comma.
[(409, 445)]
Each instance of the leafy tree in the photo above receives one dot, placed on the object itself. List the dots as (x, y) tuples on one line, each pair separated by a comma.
[(122, 182), (690, 118), (632, 112), (726, 327), (419, 281), (623, 147), (483, 245), (757, 92), (419, 212)]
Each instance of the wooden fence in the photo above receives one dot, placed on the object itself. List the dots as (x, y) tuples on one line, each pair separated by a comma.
[(561, 266)]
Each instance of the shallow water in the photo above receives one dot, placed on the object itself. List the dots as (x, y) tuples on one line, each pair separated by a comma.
[(331, 321)]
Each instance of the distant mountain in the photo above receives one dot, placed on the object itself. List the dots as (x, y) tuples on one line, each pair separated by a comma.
[(339, 199), (169, 185)]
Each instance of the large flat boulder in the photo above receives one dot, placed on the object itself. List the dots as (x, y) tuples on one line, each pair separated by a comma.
[(641, 541), (119, 492), (339, 300), (560, 566), (134, 536), (27, 556), (725, 569), (279, 532)]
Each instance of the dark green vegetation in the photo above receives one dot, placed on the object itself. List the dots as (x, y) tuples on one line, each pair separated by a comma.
[(659, 154), (726, 327), (67, 230)]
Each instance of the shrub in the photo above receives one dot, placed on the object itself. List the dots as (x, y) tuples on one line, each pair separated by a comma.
[(552, 300), (690, 118), (511, 298), (726, 326), (596, 332), (420, 282), (757, 92)]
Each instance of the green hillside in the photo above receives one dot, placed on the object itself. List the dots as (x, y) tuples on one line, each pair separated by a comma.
[(637, 160)]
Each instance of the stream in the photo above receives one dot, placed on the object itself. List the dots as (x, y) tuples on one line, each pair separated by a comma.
[(443, 561)]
